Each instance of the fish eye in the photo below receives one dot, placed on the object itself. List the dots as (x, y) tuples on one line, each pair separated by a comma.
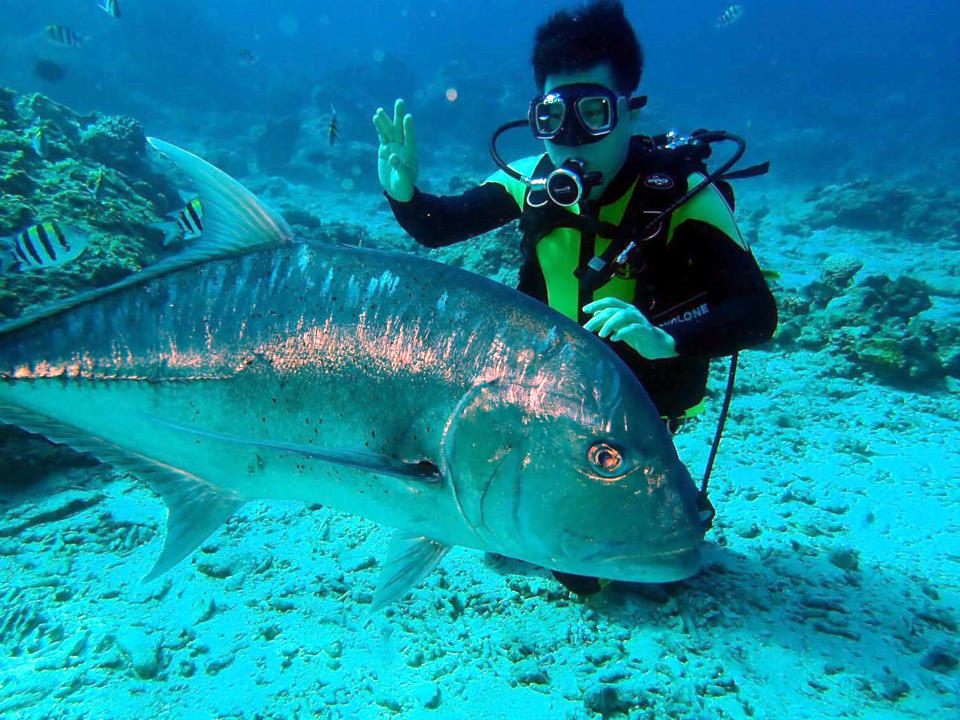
[(605, 459)]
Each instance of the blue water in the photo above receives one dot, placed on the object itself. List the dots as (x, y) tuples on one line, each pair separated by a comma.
[(835, 584), (878, 79)]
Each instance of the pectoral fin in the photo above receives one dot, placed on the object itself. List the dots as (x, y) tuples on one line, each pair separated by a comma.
[(410, 559), (423, 471)]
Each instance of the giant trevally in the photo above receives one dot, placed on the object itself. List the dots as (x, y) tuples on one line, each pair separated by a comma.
[(413, 393)]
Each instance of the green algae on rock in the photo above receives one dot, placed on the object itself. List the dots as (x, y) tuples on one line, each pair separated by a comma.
[(131, 195), (117, 142), (872, 326)]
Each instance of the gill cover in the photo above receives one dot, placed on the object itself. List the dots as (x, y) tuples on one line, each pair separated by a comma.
[(482, 458)]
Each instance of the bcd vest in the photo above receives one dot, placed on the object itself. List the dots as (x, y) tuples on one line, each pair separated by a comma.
[(558, 240)]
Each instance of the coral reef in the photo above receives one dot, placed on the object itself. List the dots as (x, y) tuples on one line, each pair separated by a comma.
[(115, 141), (61, 185), (870, 326), (496, 255), (8, 111), (899, 207)]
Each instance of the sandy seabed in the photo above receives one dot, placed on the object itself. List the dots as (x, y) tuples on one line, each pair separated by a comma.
[(829, 589)]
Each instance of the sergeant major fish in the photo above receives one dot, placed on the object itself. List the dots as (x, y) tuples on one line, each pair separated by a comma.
[(334, 129), (416, 394), (729, 16), (185, 224), (41, 246), (61, 35), (111, 8)]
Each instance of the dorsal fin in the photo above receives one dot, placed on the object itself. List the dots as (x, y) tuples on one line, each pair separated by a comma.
[(234, 220), (235, 223)]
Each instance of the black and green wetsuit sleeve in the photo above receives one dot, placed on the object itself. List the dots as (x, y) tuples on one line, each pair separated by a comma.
[(436, 221), (741, 311)]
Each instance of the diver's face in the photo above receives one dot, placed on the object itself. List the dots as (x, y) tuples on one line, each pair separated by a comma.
[(608, 154)]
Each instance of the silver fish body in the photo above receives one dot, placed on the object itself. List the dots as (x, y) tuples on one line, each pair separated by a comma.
[(409, 392)]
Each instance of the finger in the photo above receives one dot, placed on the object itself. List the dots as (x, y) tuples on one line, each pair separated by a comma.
[(604, 303), (408, 132), (382, 123), (410, 141), (399, 109), (602, 316), (388, 133), (596, 305), (410, 144), (599, 319), (603, 326), (622, 333), (619, 320)]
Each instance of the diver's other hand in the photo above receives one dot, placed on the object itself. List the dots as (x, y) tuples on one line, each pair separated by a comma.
[(397, 157), (622, 322)]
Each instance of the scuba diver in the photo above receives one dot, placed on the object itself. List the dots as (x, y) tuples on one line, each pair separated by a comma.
[(629, 235)]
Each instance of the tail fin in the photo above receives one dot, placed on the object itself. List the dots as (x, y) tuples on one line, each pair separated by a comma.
[(170, 230)]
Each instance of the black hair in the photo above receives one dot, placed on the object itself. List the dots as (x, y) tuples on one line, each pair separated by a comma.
[(592, 34)]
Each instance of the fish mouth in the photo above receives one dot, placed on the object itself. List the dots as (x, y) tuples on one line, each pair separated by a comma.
[(675, 557), (669, 566), (667, 545)]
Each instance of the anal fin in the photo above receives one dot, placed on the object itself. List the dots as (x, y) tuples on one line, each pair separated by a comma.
[(194, 511)]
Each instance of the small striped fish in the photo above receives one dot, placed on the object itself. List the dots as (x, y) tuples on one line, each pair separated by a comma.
[(190, 220), (95, 184), (61, 35), (185, 224), (39, 247), (729, 16), (111, 8), (38, 141), (334, 125)]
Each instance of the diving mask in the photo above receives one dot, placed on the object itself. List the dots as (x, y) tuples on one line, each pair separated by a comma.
[(577, 114)]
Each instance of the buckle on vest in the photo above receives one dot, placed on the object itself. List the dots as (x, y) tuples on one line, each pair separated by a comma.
[(651, 234), (675, 424)]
